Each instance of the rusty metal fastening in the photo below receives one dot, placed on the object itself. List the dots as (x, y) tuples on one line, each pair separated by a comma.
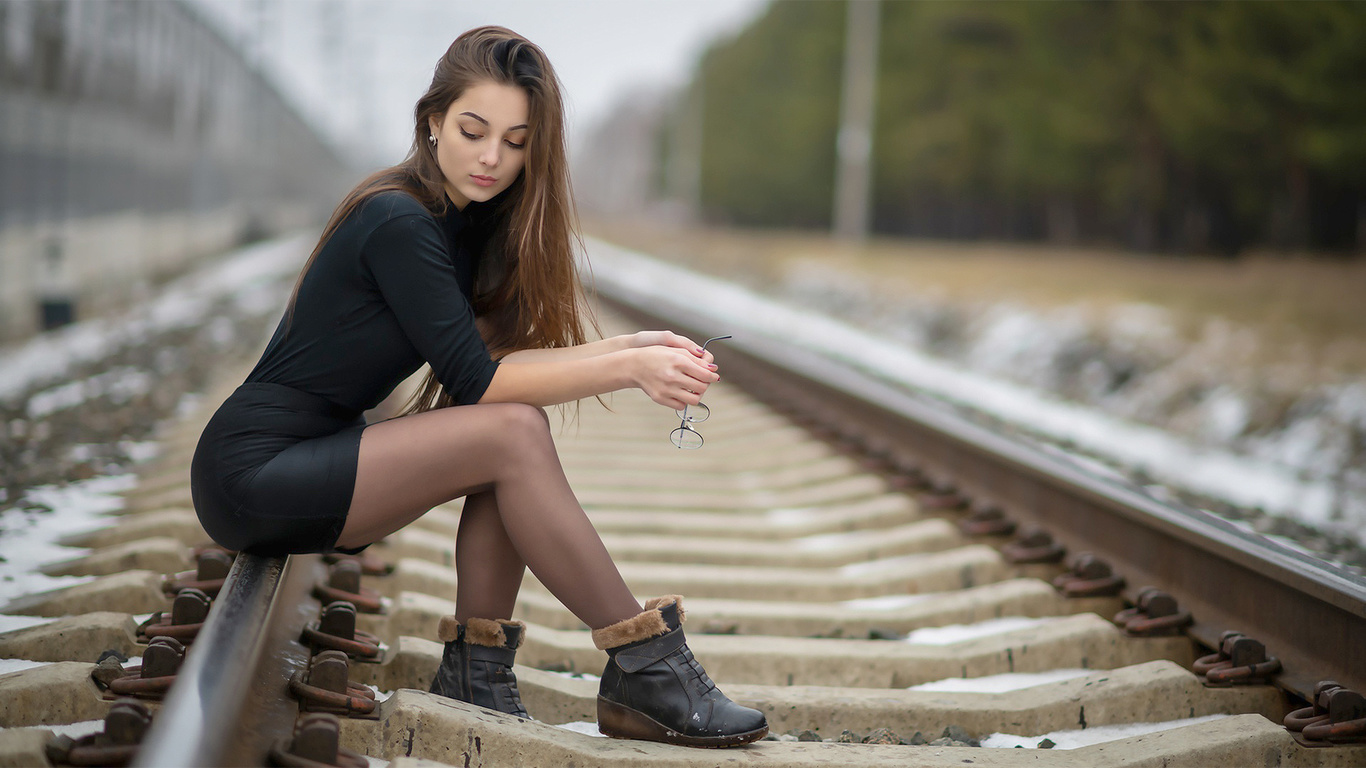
[(941, 499), (1155, 614), (315, 742), (343, 583), (1090, 577), (1034, 545), (124, 727), (1336, 716), (188, 612), (1240, 660), (155, 675), (336, 630), (211, 570), (325, 686), (987, 521)]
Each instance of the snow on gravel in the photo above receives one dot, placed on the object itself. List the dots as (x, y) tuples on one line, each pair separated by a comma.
[(225, 298), (1257, 479), (183, 302), (30, 533)]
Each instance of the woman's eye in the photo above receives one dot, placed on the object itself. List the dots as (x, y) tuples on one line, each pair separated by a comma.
[(469, 135), (515, 145)]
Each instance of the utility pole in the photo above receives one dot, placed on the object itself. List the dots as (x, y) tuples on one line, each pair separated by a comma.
[(854, 143)]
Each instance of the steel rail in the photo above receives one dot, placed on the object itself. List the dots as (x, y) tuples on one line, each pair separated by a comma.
[(1310, 614), (230, 703)]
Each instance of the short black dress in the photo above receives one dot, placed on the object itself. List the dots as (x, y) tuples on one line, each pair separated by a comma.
[(391, 289)]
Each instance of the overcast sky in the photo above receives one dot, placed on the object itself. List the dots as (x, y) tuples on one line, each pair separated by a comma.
[(356, 67)]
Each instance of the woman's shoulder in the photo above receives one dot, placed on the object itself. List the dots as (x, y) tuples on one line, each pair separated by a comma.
[(390, 204)]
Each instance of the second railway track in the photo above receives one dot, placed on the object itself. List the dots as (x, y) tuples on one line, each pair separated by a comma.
[(825, 519)]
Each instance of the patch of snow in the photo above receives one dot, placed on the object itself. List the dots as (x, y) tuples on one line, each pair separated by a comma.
[(885, 602), (9, 623), (30, 534), (1012, 681), (77, 730), (957, 633), (140, 452), (380, 696), (119, 384), (1098, 734), (586, 728), (19, 665)]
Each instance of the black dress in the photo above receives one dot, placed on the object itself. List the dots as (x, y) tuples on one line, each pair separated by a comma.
[(275, 468)]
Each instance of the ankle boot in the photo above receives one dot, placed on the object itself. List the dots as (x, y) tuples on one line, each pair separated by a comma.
[(653, 688), (476, 666)]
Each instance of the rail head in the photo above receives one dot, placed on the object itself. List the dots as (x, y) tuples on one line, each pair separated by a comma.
[(1184, 550), (195, 726)]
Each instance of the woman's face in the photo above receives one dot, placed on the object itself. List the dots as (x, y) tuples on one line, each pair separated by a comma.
[(480, 141)]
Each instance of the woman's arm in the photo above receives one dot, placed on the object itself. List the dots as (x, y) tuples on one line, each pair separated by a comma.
[(603, 347), (671, 376)]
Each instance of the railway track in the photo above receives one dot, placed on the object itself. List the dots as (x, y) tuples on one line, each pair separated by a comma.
[(827, 530)]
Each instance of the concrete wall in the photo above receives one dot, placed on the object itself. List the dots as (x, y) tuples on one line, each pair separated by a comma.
[(134, 140)]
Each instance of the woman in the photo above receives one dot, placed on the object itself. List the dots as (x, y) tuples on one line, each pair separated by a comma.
[(461, 257)]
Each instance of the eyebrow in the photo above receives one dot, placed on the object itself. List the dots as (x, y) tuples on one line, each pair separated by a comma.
[(485, 122)]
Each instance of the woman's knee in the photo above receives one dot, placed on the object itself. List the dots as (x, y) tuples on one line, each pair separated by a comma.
[(524, 424)]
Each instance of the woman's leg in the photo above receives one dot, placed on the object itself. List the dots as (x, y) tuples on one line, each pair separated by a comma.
[(410, 464), (486, 562)]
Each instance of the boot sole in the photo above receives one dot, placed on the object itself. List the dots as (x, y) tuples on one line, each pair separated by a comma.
[(621, 722)]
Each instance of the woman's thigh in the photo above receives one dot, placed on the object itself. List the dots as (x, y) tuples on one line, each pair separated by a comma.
[(412, 463)]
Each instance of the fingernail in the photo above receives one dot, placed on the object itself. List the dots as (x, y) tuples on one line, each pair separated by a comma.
[(697, 351), (711, 366)]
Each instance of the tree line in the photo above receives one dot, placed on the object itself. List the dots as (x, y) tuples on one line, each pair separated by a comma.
[(1176, 127)]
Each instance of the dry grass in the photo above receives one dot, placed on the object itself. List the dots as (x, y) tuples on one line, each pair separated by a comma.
[(1312, 309)]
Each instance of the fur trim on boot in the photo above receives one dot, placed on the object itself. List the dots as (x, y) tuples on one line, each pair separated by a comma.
[(643, 626), (487, 632)]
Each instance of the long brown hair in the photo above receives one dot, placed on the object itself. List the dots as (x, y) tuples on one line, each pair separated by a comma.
[(528, 294)]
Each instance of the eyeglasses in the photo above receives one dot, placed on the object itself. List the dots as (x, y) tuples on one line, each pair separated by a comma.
[(685, 436)]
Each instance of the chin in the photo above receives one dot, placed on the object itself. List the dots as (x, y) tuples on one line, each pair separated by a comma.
[(482, 194)]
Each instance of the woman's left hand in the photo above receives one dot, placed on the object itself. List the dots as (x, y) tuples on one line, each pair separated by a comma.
[(669, 339)]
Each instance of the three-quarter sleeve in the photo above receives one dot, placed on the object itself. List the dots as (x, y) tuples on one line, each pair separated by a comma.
[(408, 259)]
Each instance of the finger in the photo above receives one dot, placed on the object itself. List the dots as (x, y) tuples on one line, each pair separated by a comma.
[(703, 375), (692, 395)]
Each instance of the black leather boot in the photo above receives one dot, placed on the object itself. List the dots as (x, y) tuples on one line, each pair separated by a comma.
[(476, 666), (653, 688)]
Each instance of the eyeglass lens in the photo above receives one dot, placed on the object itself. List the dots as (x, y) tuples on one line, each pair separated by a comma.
[(685, 436)]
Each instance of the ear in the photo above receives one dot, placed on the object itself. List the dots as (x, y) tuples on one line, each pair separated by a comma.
[(433, 125)]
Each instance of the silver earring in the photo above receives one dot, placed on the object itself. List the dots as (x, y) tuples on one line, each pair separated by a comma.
[(431, 139)]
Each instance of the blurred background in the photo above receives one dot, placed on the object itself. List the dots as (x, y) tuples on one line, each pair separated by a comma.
[(1153, 209)]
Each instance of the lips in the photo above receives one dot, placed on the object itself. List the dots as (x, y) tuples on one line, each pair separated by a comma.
[(483, 181)]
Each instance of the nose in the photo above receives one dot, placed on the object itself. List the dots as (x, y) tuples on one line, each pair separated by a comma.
[(491, 155)]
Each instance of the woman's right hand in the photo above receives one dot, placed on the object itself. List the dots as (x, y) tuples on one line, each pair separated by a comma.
[(672, 376)]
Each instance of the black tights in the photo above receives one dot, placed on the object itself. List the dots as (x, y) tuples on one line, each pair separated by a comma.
[(519, 509)]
